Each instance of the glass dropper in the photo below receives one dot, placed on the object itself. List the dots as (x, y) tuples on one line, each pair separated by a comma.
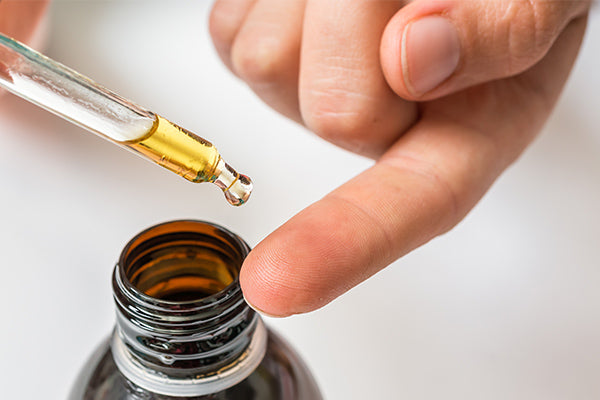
[(78, 99)]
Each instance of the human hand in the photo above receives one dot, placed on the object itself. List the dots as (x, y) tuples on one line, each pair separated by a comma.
[(443, 94)]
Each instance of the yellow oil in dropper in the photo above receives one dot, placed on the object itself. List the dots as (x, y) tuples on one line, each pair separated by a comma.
[(78, 99), (191, 157)]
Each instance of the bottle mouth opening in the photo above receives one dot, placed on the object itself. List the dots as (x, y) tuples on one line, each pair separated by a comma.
[(182, 262), (180, 309)]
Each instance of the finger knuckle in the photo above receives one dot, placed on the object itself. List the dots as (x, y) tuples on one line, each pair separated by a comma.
[(337, 116), (221, 27), (259, 60), (520, 22), (532, 27), (543, 22)]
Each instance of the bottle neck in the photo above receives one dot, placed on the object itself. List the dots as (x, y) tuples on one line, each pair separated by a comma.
[(183, 327)]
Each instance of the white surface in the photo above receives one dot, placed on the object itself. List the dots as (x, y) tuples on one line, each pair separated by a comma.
[(506, 306)]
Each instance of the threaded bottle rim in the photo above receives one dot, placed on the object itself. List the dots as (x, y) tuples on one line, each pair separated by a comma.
[(181, 316), (148, 279)]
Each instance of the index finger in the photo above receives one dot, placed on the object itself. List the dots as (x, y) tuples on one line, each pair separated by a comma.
[(419, 189)]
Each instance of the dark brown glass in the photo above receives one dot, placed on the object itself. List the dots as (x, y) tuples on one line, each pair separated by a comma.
[(182, 322)]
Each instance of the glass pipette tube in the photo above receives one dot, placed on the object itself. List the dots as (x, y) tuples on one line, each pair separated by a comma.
[(78, 99)]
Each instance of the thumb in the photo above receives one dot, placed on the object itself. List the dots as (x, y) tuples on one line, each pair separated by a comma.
[(431, 49)]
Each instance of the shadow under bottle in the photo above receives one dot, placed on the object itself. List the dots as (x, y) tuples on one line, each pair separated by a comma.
[(183, 328)]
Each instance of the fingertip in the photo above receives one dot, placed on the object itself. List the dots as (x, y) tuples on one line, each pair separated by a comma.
[(278, 290), (274, 280), (304, 264), (259, 289)]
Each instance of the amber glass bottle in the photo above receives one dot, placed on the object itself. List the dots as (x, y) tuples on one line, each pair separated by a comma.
[(183, 328)]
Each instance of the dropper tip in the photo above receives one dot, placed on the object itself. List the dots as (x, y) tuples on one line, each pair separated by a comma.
[(239, 192), (236, 187)]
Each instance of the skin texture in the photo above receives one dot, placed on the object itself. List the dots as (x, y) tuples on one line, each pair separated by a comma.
[(348, 70)]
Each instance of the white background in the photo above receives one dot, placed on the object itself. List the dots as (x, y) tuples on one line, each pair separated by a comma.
[(506, 306)]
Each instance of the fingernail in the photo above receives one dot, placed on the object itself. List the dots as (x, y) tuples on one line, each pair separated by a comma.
[(261, 312), (430, 53)]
